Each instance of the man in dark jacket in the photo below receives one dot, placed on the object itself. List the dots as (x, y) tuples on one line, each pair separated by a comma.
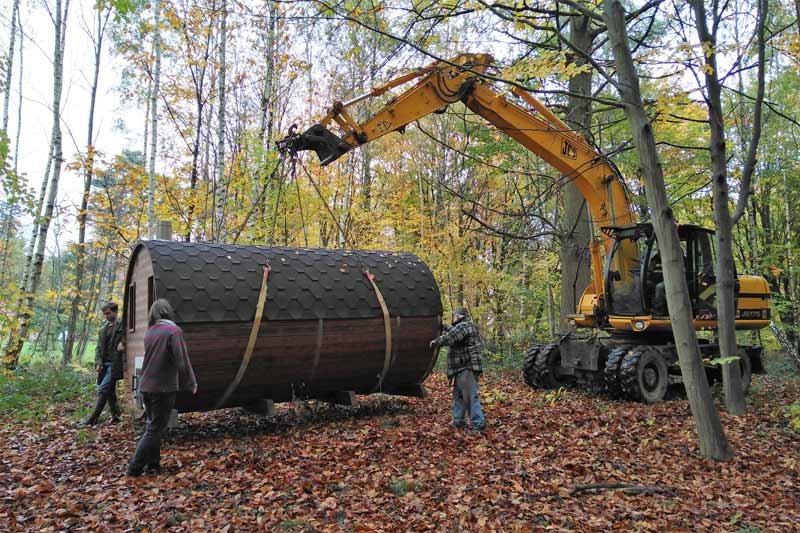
[(464, 367), (109, 358), (166, 370)]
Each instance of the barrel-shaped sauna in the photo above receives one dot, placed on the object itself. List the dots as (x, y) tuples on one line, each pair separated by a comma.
[(334, 322)]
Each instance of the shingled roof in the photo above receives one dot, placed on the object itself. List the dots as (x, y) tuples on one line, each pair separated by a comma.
[(221, 282)]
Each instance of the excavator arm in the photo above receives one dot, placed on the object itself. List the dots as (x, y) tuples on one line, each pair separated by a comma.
[(459, 79), (536, 128)]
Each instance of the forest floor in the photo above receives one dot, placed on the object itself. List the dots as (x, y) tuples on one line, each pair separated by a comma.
[(396, 465)]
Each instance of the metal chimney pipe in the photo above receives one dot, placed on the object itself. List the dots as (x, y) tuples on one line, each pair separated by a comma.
[(164, 230)]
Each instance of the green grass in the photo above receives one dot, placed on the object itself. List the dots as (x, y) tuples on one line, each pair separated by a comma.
[(777, 363), (36, 389), (53, 354)]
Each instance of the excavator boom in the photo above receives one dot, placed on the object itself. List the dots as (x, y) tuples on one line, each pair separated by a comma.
[(459, 79), (538, 129)]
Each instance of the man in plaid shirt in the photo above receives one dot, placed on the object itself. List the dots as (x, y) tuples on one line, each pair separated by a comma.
[(464, 367)]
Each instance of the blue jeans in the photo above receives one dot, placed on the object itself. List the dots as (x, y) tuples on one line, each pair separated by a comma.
[(106, 393), (107, 385), (466, 401)]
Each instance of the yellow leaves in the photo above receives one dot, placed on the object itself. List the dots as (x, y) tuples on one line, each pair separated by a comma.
[(547, 64)]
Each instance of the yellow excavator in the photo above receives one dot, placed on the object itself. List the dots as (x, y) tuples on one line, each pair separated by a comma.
[(623, 341)]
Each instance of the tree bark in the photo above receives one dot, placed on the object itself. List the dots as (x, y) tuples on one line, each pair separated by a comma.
[(713, 442)]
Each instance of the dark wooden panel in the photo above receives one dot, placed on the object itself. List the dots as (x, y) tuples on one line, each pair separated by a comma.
[(351, 355)]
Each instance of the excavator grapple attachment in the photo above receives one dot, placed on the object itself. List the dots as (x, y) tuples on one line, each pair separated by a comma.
[(328, 146)]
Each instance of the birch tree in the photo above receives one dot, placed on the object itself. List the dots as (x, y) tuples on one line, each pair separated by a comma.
[(153, 109), (9, 66), (101, 18), (220, 189), (58, 12)]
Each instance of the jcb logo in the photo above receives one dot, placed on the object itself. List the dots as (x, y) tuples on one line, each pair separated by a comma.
[(568, 150)]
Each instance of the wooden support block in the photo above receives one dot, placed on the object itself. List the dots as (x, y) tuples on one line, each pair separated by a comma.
[(263, 407), (343, 397)]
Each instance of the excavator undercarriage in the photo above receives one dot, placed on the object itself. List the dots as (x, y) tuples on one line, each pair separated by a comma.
[(623, 366)]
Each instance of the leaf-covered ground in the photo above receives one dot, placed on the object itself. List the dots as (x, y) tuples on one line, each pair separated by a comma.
[(396, 465)]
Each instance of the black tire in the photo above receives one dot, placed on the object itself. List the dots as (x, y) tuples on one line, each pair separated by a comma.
[(611, 383), (644, 376), (529, 366), (547, 365), (746, 369)]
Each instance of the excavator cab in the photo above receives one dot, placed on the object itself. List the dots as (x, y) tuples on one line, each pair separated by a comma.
[(634, 280)]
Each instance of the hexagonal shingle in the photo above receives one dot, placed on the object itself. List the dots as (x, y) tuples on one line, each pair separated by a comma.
[(209, 282)]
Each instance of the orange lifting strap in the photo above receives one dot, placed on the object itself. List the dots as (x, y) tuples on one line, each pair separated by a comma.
[(251, 343), (387, 328)]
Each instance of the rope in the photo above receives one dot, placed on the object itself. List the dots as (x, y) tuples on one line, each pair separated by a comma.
[(387, 328), (251, 343)]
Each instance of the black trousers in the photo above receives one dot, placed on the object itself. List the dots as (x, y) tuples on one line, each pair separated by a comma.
[(157, 409)]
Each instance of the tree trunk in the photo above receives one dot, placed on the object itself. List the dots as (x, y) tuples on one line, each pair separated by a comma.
[(88, 308), (199, 78), (80, 250), (19, 101), (726, 269), (221, 182), (267, 116), (9, 228), (713, 442), (576, 229), (154, 93), (789, 317)]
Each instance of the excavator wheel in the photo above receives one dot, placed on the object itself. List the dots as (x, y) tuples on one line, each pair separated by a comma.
[(611, 382), (547, 366), (746, 366), (643, 375), (529, 366)]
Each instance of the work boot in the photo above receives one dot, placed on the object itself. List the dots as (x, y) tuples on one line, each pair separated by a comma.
[(98, 408)]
